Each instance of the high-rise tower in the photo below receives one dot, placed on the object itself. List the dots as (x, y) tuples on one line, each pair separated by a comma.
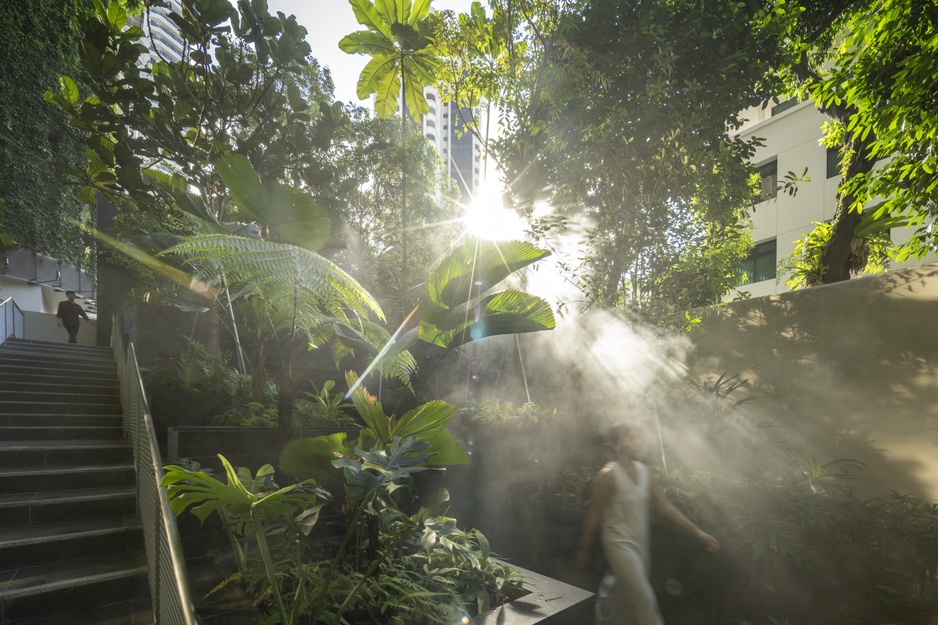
[(444, 126)]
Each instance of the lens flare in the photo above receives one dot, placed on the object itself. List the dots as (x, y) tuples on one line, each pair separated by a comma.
[(487, 218)]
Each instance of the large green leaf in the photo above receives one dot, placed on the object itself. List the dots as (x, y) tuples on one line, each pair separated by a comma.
[(475, 267), (426, 422), (366, 42), (380, 68), (430, 416), (186, 489), (291, 215), (445, 447), (368, 15), (311, 458), (506, 312), (370, 410)]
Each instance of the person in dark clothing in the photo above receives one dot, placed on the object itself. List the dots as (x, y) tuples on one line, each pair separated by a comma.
[(69, 315)]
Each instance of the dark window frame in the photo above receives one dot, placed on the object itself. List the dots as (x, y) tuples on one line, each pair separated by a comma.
[(761, 265), (768, 179)]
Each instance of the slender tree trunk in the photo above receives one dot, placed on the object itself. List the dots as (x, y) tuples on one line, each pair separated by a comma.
[(404, 281), (838, 257)]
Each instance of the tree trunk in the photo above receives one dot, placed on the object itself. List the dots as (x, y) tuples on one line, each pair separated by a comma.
[(838, 257)]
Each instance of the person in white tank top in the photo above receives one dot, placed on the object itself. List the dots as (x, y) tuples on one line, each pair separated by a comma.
[(622, 492)]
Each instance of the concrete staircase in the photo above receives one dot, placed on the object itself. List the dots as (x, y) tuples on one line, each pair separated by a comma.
[(71, 548)]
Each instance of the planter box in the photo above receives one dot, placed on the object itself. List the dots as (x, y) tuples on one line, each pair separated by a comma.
[(170, 410), (550, 602)]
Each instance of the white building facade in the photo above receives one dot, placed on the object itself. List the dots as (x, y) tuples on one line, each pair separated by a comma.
[(444, 128), (792, 136), (161, 35)]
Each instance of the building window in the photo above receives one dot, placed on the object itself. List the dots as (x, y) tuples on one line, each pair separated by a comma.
[(784, 106), (760, 265), (768, 185), (833, 162)]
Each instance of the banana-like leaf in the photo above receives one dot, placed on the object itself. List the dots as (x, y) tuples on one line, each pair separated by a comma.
[(506, 312), (291, 215), (311, 458), (426, 423), (370, 410), (368, 15), (366, 42), (475, 267)]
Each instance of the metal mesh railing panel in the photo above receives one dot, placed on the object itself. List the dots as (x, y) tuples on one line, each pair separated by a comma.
[(169, 589), (11, 320)]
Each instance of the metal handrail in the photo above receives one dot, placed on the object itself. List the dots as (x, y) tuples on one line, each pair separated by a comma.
[(166, 565), (11, 320)]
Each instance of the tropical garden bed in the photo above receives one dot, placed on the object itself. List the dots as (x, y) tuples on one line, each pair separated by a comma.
[(382, 564)]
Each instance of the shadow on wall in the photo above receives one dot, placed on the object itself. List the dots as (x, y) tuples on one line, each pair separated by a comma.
[(852, 368)]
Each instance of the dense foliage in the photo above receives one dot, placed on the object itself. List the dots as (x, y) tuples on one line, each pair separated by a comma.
[(37, 44), (871, 68), (387, 565), (620, 115)]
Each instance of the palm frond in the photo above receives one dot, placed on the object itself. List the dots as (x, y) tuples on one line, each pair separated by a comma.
[(287, 276)]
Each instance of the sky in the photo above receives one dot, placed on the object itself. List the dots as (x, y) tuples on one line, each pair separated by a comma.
[(327, 22)]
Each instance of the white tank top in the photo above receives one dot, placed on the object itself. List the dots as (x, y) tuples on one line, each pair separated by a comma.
[(626, 516)]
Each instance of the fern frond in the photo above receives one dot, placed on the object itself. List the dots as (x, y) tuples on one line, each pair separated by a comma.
[(286, 276)]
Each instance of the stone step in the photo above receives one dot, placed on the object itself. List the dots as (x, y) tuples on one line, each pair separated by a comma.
[(54, 506), (40, 407), (13, 343), (59, 433), (30, 545), (62, 367), (112, 397), (26, 419), (60, 385), (31, 593), (42, 375), (60, 453), (137, 611), (35, 479)]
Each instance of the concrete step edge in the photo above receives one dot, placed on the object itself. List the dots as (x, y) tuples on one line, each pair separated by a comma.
[(86, 580)]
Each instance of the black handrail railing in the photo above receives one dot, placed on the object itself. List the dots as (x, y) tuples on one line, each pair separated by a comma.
[(166, 565)]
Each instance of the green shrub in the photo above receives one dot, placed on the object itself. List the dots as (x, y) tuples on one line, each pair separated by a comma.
[(195, 370), (508, 414)]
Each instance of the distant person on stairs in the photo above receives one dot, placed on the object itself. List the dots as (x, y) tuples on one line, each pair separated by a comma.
[(69, 316)]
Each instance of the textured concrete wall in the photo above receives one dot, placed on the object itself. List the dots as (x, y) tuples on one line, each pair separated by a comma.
[(849, 369)]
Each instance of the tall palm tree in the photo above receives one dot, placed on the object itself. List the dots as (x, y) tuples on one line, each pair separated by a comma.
[(404, 59)]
